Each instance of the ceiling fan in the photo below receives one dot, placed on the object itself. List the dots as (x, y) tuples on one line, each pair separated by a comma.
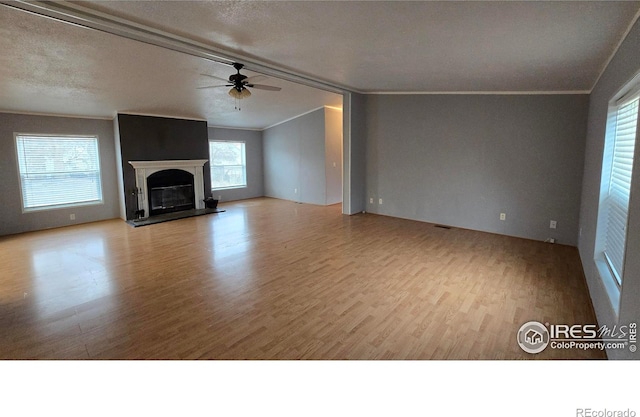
[(239, 83)]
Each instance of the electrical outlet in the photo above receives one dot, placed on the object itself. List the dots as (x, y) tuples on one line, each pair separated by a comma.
[(295, 191), (334, 164), (503, 216), (72, 216), (371, 200), (553, 224), (219, 197), (379, 201)]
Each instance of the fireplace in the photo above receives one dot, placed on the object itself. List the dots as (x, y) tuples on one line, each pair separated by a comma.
[(169, 186), (170, 190)]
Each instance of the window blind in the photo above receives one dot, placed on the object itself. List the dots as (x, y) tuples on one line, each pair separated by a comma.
[(58, 171), (617, 199)]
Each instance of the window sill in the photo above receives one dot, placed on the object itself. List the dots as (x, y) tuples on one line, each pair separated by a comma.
[(229, 188), (61, 206)]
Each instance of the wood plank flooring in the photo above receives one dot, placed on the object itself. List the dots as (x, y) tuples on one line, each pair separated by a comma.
[(271, 279)]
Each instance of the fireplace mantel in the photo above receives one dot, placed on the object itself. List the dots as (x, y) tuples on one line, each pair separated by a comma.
[(169, 164), (146, 168)]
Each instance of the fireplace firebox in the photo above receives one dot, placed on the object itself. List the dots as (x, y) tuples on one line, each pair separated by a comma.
[(170, 190)]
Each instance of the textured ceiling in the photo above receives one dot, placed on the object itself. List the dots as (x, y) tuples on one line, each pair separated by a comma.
[(51, 67), (408, 46), (55, 68)]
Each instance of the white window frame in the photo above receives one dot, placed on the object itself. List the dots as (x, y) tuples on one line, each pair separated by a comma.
[(18, 135), (244, 164), (611, 278)]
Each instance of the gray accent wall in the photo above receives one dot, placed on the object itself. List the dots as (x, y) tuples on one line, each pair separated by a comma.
[(295, 160), (150, 138), (12, 219), (621, 69), (461, 160), (253, 149)]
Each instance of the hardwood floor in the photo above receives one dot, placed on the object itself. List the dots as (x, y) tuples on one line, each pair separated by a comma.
[(271, 279)]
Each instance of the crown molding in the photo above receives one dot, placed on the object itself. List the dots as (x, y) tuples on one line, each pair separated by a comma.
[(480, 93)]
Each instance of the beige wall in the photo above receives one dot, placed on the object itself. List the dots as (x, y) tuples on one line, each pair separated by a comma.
[(333, 154)]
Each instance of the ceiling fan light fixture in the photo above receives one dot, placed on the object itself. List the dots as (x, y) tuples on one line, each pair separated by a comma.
[(244, 93)]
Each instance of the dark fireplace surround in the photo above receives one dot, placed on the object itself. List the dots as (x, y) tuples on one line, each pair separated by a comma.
[(154, 143)]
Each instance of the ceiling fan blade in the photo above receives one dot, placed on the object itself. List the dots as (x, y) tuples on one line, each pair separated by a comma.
[(217, 78), (213, 86), (264, 87), (255, 78)]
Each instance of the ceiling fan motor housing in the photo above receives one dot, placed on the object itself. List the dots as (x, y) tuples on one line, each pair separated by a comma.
[(237, 79)]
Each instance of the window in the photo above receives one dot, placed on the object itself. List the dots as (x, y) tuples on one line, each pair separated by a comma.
[(622, 124), (228, 165), (58, 171)]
